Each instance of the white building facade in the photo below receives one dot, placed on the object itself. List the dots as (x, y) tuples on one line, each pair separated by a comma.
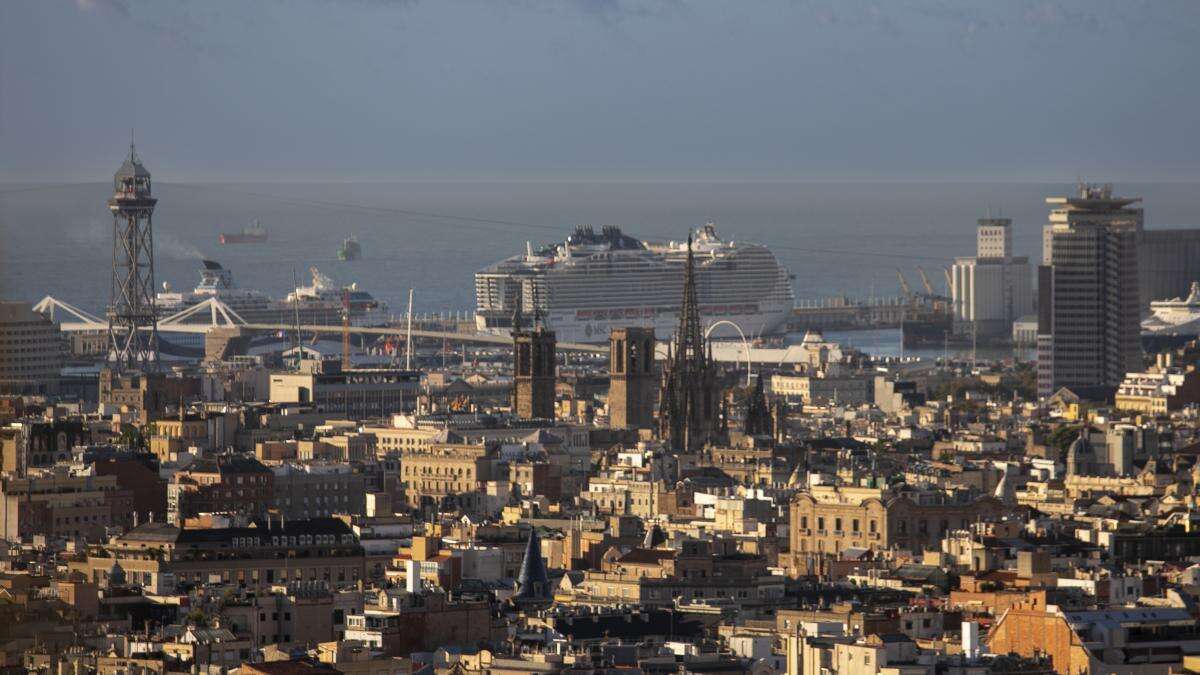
[(993, 289)]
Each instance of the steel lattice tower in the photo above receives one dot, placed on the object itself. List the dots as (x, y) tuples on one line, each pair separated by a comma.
[(132, 324)]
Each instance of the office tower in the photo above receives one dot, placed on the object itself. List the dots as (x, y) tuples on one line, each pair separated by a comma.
[(1089, 316), (1168, 263), (631, 385), (993, 289), (534, 369)]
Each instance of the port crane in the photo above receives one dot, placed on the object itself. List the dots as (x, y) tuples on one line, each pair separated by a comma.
[(925, 282), (905, 288), (928, 299)]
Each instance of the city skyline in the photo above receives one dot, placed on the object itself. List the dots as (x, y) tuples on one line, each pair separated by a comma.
[(746, 385)]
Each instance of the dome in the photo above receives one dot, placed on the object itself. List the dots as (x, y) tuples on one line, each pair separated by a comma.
[(132, 166), (116, 574)]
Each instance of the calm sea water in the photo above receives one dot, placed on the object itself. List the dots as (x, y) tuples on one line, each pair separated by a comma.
[(433, 236)]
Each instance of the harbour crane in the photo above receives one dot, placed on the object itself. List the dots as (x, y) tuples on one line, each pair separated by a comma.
[(904, 287), (925, 282), (930, 298)]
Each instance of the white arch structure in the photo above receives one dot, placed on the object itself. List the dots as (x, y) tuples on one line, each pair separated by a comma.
[(68, 316), (219, 314), (745, 343), (71, 318)]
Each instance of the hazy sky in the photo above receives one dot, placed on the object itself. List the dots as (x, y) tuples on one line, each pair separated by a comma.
[(891, 89)]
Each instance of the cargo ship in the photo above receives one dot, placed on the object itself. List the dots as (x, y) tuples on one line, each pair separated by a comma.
[(254, 234), (928, 329), (350, 250)]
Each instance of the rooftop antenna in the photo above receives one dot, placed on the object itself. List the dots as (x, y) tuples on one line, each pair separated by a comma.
[(408, 337), (345, 329), (296, 309)]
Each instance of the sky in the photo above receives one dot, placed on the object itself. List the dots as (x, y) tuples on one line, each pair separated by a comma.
[(601, 89)]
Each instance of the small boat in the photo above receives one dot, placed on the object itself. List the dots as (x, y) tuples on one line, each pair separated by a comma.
[(350, 250), (254, 234)]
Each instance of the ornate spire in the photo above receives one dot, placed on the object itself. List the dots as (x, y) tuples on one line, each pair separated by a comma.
[(688, 336), (758, 413), (517, 319), (687, 408), (539, 321)]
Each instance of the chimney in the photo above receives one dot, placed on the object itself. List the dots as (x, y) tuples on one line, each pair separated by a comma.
[(970, 639), (412, 580)]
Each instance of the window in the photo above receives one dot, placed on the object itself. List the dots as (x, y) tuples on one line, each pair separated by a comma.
[(854, 525)]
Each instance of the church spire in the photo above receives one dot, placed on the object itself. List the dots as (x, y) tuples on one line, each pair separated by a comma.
[(687, 410), (517, 319)]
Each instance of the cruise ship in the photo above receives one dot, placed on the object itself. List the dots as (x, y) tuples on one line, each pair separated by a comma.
[(593, 282), (319, 303), (1177, 316)]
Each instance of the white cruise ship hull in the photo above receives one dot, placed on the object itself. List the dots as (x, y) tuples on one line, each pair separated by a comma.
[(594, 283), (585, 326)]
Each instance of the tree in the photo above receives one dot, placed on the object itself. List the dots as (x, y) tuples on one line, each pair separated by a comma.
[(1063, 437)]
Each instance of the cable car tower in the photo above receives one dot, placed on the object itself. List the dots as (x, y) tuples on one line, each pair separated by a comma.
[(132, 324)]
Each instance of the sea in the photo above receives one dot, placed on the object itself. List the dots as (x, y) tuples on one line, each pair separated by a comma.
[(837, 238)]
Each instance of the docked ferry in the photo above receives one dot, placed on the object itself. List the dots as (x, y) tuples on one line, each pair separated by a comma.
[(321, 302), (596, 281)]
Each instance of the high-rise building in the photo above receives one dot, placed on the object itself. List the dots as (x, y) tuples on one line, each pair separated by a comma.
[(631, 385), (31, 351), (534, 370), (1168, 263), (1089, 314), (688, 414), (993, 289)]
